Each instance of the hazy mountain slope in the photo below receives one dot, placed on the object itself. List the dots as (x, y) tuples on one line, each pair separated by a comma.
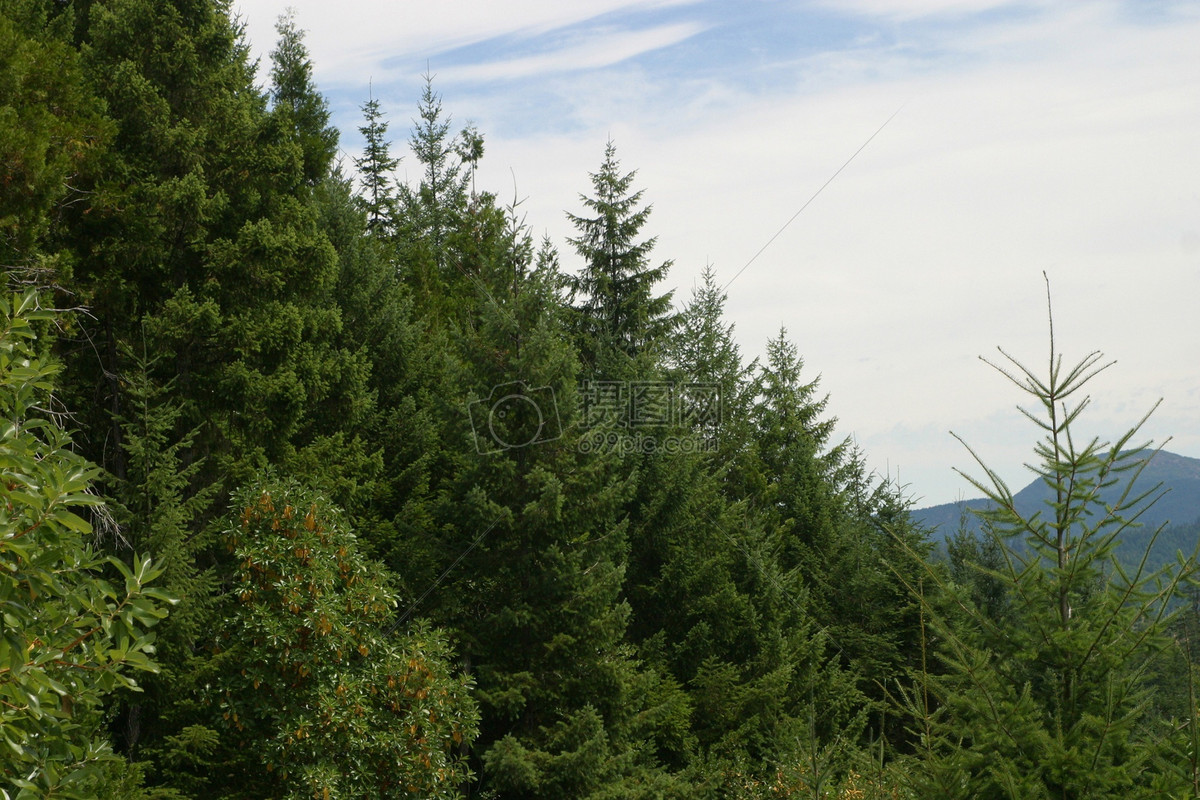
[(1180, 506)]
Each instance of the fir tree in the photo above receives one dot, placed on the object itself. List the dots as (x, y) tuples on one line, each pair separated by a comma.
[(831, 523), (207, 255), (527, 544), (790, 467), (375, 168), (298, 103), (703, 347), (440, 200), (620, 317), (214, 343), (51, 131), (438, 222), (157, 507), (1052, 702), (974, 562), (704, 353)]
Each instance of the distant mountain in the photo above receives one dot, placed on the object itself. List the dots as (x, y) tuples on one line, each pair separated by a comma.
[(1180, 506)]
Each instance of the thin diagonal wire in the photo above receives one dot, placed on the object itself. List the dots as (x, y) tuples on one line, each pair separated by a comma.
[(808, 202)]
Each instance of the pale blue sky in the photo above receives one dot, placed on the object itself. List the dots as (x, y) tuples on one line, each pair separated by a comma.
[(1056, 136)]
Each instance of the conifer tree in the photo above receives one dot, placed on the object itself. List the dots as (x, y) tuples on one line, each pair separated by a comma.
[(437, 204), (205, 254), (50, 130), (297, 102), (790, 468), (704, 347), (1052, 700), (527, 543), (432, 226), (832, 523), (704, 354), (973, 562), (157, 507), (214, 343), (375, 168), (714, 607), (620, 317)]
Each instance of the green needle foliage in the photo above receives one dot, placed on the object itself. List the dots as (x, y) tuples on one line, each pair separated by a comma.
[(1051, 700), (50, 130), (654, 622), (619, 317), (375, 168), (297, 102)]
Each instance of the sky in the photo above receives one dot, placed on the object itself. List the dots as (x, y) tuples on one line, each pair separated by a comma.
[(1003, 140)]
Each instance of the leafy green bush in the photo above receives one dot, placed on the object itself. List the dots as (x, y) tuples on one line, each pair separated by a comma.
[(317, 699), (70, 637)]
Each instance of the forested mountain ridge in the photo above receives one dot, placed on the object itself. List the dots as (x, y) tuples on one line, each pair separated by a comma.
[(321, 487), (1167, 527), (1180, 506)]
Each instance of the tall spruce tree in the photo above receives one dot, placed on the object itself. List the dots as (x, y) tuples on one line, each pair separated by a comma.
[(526, 541), (714, 607), (621, 320), (439, 200), (205, 250), (431, 225), (51, 129), (704, 354), (789, 470), (375, 168), (214, 343), (832, 524), (297, 102), (703, 347)]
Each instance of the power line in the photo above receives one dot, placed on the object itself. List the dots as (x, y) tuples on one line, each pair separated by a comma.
[(814, 197)]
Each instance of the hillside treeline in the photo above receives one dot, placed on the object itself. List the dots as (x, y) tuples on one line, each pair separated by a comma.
[(331, 486)]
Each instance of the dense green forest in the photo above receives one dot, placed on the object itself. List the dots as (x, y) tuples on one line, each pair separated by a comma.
[(321, 485)]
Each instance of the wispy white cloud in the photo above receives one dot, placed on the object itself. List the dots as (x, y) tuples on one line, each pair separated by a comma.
[(352, 40), (1066, 149), (594, 49), (906, 10)]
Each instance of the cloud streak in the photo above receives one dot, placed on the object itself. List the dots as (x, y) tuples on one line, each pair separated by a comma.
[(354, 39), (596, 49)]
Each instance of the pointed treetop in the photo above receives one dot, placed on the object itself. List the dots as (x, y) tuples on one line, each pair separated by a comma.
[(375, 166), (295, 96), (619, 313), (704, 347)]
